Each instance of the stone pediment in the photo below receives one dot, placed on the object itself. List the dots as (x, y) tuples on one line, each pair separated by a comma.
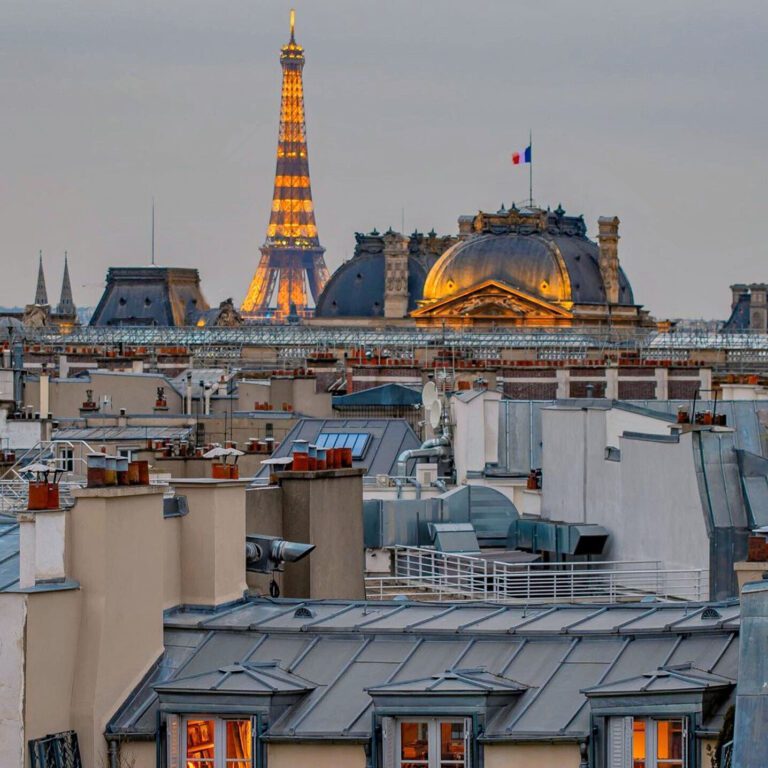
[(493, 300)]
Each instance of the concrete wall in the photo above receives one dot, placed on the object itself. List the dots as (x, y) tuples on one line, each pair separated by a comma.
[(13, 608), (316, 755), (662, 517), (476, 433), (135, 393), (531, 756), (264, 514), (649, 500), (20, 434)]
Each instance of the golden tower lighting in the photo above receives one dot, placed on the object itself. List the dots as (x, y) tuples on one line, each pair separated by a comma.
[(292, 266)]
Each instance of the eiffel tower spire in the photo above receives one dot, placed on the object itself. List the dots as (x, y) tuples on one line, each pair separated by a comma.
[(291, 257), (66, 305), (41, 295)]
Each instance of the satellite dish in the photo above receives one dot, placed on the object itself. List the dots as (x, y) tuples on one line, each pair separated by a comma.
[(429, 394), (435, 412)]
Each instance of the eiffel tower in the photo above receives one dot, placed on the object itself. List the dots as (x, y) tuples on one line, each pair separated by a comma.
[(292, 263)]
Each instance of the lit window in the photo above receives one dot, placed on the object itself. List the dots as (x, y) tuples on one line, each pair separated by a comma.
[(432, 743), (655, 743), (216, 743)]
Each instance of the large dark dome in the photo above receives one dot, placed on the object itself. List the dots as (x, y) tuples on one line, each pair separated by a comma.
[(356, 288), (557, 264)]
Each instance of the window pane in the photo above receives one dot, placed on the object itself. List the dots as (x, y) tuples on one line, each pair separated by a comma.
[(638, 744), (414, 743), (452, 743), (669, 737), (200, 744), (238, 739)]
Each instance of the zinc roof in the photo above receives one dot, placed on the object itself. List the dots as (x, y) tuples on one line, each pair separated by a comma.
[(347, 649)]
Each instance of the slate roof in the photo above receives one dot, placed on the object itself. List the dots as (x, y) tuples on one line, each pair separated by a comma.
[(663, 680), (116, 434), (262, 678), (346, 649), (384, 394), (389, 438), (453, 681)]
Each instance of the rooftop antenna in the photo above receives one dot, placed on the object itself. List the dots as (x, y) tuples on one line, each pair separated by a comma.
[(153, 231), (530, 169), (293, 23)]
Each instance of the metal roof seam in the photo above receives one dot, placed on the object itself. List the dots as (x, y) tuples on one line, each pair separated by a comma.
[(394, 674), (722, 651), (611, 666), (330, 685), (295, 663), (540, 688)]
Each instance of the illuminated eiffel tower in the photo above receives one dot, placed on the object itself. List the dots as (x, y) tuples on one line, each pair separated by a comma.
[(291, 257)]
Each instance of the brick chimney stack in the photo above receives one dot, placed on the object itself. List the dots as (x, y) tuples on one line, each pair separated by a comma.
[(608, 241)]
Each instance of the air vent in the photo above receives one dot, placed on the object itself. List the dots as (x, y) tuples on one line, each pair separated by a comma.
[(708, 614), (302, 612)]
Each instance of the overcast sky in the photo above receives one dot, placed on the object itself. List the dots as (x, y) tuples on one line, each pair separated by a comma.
[(655, 111)]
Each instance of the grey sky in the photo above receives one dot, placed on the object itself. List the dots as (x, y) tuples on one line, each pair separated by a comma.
[(655, 111)]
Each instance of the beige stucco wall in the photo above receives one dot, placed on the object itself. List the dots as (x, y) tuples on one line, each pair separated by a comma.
[(13, 609), (138, 754), (212, 542), (171, 562), (53, 617), (531, 755), (317, 756), (117, 550)]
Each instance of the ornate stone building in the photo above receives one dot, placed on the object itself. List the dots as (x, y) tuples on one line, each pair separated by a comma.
[(524, 267)]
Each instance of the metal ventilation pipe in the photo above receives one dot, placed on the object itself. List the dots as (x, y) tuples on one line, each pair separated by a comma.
[(436, 447)]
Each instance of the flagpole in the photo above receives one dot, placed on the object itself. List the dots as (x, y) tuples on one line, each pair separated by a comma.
[(530, 170)]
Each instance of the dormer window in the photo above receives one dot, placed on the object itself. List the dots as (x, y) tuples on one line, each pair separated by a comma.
[(432, 743), (216, 743)]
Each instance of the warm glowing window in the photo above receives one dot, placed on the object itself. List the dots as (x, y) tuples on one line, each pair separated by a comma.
[(654, 743), (432, 743), (217, 743)]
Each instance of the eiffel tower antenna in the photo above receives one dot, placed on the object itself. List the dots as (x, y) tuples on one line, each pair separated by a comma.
[(292, 263)]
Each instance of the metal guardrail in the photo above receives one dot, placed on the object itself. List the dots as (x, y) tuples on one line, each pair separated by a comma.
[(427, 574)]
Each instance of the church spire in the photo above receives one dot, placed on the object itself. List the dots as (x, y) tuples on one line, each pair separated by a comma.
[(41, 295), (66, 303)]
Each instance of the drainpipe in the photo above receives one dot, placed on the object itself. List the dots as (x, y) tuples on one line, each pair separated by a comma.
[(17, 363), (414, 482), (188, 393), (113, 747)]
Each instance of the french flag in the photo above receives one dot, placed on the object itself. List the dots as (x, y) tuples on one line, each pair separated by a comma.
[(522, 157)]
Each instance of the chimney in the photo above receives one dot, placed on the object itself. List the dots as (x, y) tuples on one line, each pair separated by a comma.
[(211, 542), (737, 291), (608, 242), (117, 558), (323, 508), (395, 275), (42, 547), (750, 749)]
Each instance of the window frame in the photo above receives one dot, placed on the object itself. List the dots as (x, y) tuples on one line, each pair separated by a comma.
[(651, 741), (177, 740), (434, 756)]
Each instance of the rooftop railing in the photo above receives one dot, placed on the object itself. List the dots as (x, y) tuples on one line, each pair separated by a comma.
[(427, 574)]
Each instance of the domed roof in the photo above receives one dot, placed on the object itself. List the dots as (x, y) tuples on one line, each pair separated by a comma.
[(356, 288), (550, 258)]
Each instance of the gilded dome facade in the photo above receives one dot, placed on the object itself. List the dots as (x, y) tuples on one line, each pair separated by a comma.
[(541, 253)]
